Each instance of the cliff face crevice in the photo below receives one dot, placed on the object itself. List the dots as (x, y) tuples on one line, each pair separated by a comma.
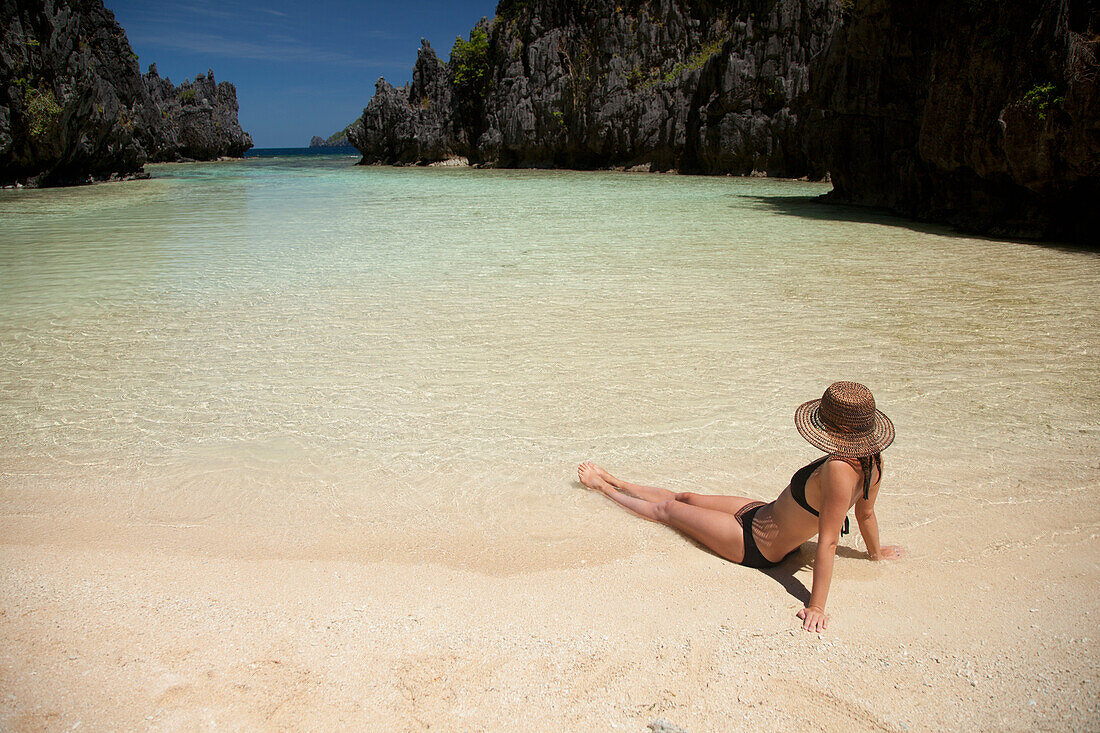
[(695, 86), (75, 107), (981, 114)]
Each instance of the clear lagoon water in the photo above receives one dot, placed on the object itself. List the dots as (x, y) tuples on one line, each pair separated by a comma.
[(432, 350)]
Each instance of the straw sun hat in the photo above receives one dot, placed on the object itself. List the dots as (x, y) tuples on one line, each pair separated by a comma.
[(845, 422)]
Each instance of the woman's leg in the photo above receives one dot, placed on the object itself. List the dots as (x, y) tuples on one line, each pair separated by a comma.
[(716, 529), (649, 493), (727, 504)]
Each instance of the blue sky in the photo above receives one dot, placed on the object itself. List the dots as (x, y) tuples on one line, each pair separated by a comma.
[(301, 69)]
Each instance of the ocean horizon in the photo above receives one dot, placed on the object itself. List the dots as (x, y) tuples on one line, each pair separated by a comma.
[(343, 150)]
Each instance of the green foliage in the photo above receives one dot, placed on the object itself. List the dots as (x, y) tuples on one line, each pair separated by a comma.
[(1041, 98), (42, 112), (187, 96), (126, 118), (847, 8), (470, 64), (692, 63)]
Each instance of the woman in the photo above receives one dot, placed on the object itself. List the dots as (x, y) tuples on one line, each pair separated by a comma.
[(845, 424)]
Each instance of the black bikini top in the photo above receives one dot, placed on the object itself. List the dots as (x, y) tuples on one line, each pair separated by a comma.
[(798, 489)]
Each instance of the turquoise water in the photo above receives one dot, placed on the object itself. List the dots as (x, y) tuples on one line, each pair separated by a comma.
[(243, 339)]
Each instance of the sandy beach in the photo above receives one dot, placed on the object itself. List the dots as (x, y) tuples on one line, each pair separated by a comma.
[(301, 627)]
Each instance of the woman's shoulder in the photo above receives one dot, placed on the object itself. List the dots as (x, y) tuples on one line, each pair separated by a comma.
[(841, 469), (835, 459)]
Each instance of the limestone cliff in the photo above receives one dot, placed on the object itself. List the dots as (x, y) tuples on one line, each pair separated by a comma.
[(662, 84), (74, 106), (199, 118), (980, 113)]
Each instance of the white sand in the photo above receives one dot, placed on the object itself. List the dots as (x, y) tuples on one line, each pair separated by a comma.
[(133, 625)]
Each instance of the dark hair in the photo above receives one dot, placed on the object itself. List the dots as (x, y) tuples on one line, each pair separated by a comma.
[(865, 462)]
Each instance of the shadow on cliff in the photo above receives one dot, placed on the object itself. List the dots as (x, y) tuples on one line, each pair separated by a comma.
[(819, 207)]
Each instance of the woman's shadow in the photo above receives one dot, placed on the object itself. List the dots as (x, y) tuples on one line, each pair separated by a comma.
[(784, 572)]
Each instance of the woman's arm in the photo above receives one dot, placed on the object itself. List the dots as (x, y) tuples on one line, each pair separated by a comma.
[(868, 522), (837, 483), (868, 526)]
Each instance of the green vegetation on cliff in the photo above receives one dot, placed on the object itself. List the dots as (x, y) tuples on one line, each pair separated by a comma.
[(470, 62), (1041, 98), (42, 111)]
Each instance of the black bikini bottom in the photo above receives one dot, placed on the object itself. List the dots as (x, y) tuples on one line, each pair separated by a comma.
[(753, 557)]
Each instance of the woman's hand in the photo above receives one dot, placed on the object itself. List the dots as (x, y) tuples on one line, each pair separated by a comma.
[(813, 619), (888, 552)]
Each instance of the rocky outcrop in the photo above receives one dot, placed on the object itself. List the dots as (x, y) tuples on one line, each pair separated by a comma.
[(662, 84), (199, 119), (982, 114), (72, 103), (414, 124), (74, 106)]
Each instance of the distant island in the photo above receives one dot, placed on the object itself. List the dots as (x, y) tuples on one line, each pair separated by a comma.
[(980, 114), (338, 139), (75, 108)]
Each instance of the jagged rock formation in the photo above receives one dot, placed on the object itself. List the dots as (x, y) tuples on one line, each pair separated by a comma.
[(74, 106), (983, 114), (338, 139), (663, 84), (199, 118), (415, 124), (71, 97)]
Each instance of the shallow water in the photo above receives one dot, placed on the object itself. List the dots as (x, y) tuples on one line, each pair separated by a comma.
[(432, 349)]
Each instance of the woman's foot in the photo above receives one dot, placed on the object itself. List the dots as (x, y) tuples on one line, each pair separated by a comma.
[(593, 477), (602, 473)]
